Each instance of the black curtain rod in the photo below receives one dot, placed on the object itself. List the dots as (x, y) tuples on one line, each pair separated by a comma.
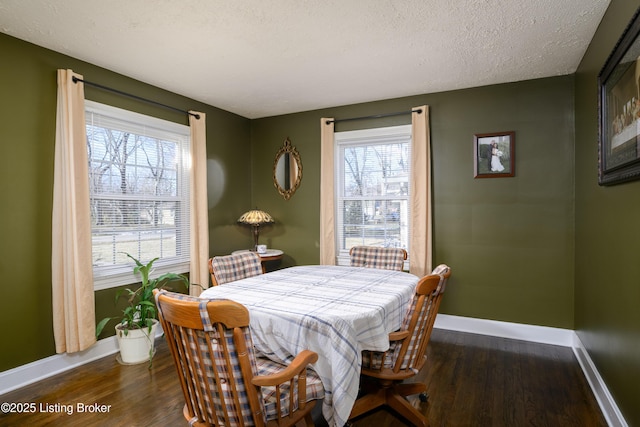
[(376, 116), (138, 98)]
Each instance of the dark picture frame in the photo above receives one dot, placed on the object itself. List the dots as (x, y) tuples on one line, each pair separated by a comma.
[(494, 154), (619, 110)]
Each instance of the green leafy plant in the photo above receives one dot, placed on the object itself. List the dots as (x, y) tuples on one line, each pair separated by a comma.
[(141, 306)]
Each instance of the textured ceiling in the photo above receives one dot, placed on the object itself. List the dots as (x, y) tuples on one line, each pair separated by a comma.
[(260, 58)]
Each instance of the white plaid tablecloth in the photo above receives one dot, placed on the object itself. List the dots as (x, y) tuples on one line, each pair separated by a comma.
[(335, 311)]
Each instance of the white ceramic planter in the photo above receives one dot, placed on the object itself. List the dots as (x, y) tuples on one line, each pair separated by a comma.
[(137, 344)]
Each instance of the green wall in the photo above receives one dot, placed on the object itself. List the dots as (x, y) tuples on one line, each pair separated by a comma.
[(509, 241), (607, 230), (518, 246), (27, 133)]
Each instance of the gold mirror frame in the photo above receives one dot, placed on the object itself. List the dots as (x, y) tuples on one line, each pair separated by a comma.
[(291, 168)]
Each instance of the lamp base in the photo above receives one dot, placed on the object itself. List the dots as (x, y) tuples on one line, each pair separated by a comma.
[(256, 231)]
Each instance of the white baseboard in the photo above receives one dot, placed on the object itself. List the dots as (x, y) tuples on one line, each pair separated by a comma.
[(33, 372), (543, 335), (40, 369), (36, 371), (515, 331), (605, 400)]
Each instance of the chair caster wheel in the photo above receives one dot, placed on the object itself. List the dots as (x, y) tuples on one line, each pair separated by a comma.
[(423, 396)]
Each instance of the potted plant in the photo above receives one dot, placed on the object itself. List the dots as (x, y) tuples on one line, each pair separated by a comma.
[(137, 326)]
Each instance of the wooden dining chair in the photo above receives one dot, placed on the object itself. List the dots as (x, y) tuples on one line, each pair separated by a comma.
[(383, 373), (378, 257), (223, 382), (227, 268)]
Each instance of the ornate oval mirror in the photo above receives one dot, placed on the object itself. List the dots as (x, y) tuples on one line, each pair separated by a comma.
[(287, 170)]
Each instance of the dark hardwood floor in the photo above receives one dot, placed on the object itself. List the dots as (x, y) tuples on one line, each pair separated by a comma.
[(472, 380)]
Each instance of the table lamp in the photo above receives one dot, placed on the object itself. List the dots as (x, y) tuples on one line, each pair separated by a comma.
[(255, 218)]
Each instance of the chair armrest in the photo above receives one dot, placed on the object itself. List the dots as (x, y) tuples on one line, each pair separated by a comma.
[(298, 365), (398, 335)]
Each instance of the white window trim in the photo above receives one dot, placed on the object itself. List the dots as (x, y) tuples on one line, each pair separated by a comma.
[(152, 125), (111, 277), (384, 135)]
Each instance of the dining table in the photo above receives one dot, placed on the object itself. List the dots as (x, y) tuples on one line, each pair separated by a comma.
[(335, 311)]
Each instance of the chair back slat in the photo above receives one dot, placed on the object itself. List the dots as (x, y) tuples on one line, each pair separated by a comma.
[(223, 383), (408, 354), (179, 352), (377, 257), (215, 360), (420, 319), (247, 369), (229, 268)]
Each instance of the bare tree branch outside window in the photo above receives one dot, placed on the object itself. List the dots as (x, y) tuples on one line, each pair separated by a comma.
[(375, 194), (133, 188)]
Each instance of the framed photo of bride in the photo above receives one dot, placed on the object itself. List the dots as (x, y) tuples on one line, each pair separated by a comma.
[(494, 154)]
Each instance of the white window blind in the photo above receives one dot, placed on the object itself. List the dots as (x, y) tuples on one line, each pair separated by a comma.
[(139, 193), (372, 188)]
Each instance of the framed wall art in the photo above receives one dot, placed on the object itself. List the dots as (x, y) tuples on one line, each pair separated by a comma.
[(494, 154), (619, 110)]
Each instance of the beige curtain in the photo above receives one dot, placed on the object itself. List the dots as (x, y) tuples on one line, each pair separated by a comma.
[(199, 251), (327, 190), (420, 248), (71, 269)]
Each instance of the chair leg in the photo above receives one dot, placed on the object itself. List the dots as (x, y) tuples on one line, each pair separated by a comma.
[(393, 396), (404, 408), (368, 402), (408, 389)]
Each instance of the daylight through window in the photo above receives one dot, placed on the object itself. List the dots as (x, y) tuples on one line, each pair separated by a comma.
[(139, 193), (373, 170)]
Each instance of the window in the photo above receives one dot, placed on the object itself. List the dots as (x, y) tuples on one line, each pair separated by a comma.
[(372, 188), (139, 193)]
